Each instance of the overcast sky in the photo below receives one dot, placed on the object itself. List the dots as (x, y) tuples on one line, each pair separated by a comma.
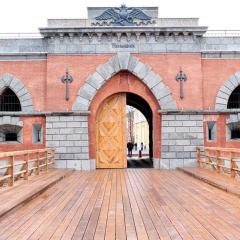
[(28, 15)]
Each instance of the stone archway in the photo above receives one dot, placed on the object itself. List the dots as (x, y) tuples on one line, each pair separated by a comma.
[(226, 90), (25, 98), (125, 82), (128, 62)]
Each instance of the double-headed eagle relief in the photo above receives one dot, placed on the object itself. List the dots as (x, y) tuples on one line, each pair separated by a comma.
[(123, 16)]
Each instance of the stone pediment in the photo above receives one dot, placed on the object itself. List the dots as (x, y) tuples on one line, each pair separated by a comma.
[(117, 21)]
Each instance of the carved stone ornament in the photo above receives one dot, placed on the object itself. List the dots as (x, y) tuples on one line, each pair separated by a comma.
[(67, 78), (123, 16), (181, 77)]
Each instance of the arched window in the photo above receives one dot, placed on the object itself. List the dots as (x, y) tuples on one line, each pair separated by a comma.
[(234, 99), (9, 101)]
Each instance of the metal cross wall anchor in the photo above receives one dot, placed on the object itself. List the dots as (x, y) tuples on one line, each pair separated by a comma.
[(67, 78), (180, 78)]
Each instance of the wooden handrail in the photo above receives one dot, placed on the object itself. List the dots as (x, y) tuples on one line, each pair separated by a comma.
[(32, 161), (14, 153), (236, 150), (219, 159)]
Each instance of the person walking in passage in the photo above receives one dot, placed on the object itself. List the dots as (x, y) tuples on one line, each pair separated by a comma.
[(135, 146), (130, 148)]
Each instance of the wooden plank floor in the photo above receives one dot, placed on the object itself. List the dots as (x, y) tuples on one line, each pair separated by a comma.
[(127, 204)]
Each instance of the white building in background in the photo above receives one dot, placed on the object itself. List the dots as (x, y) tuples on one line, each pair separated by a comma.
[(140, 129)]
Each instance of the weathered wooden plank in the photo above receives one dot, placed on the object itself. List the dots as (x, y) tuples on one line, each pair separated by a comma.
[(111, 220), (120, 221), (139, 223), (93, 220), (128, 214)]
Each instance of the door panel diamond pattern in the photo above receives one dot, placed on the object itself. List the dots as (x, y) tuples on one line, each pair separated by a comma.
[(111, 133)]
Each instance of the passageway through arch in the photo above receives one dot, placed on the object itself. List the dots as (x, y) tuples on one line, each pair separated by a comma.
[(143, 148)]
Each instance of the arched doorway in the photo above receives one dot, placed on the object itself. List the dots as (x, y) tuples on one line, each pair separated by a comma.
[(111, 126), (143, 154), (125, 82)]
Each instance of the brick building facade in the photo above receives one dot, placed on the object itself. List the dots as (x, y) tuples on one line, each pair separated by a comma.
[(105, 58)]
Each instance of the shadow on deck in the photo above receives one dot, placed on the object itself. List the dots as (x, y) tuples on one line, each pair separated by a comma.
[(139, 163)]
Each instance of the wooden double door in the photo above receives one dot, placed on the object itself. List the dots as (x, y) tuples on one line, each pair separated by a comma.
[(111, 133)]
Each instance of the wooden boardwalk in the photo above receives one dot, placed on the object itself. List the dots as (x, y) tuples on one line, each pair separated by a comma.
[(127, 204), (25, 190)]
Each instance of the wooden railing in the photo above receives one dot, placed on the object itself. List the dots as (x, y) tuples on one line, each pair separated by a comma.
[(24, 163), (223, 160)]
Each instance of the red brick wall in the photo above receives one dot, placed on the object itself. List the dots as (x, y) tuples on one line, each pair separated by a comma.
[(27, 135), (221, 140), (168, 65), (80, 67), (42, 79), (33, 75), (215, 73)]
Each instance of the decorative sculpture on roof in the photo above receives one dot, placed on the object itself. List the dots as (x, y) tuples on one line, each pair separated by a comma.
[(123, 16)]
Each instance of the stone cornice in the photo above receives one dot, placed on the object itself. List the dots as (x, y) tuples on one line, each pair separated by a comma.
[(86, 113), (59, 113), (204, 112), (119, 31)]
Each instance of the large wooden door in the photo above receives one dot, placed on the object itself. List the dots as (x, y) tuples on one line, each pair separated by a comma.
[(111, 133)]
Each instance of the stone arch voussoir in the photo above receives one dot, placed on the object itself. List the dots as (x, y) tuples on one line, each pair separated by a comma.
[(226, 90), (25, 98), (124, 61)]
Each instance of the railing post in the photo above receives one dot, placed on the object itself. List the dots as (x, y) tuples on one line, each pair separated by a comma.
[(207, 160), (218, 162), (11, 172), (53, 155), (198, 157), (26, 158), (46, 160), (232, 165), (38, 168)]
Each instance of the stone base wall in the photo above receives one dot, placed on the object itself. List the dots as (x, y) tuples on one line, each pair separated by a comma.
[(181, 133), (69, 135)]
